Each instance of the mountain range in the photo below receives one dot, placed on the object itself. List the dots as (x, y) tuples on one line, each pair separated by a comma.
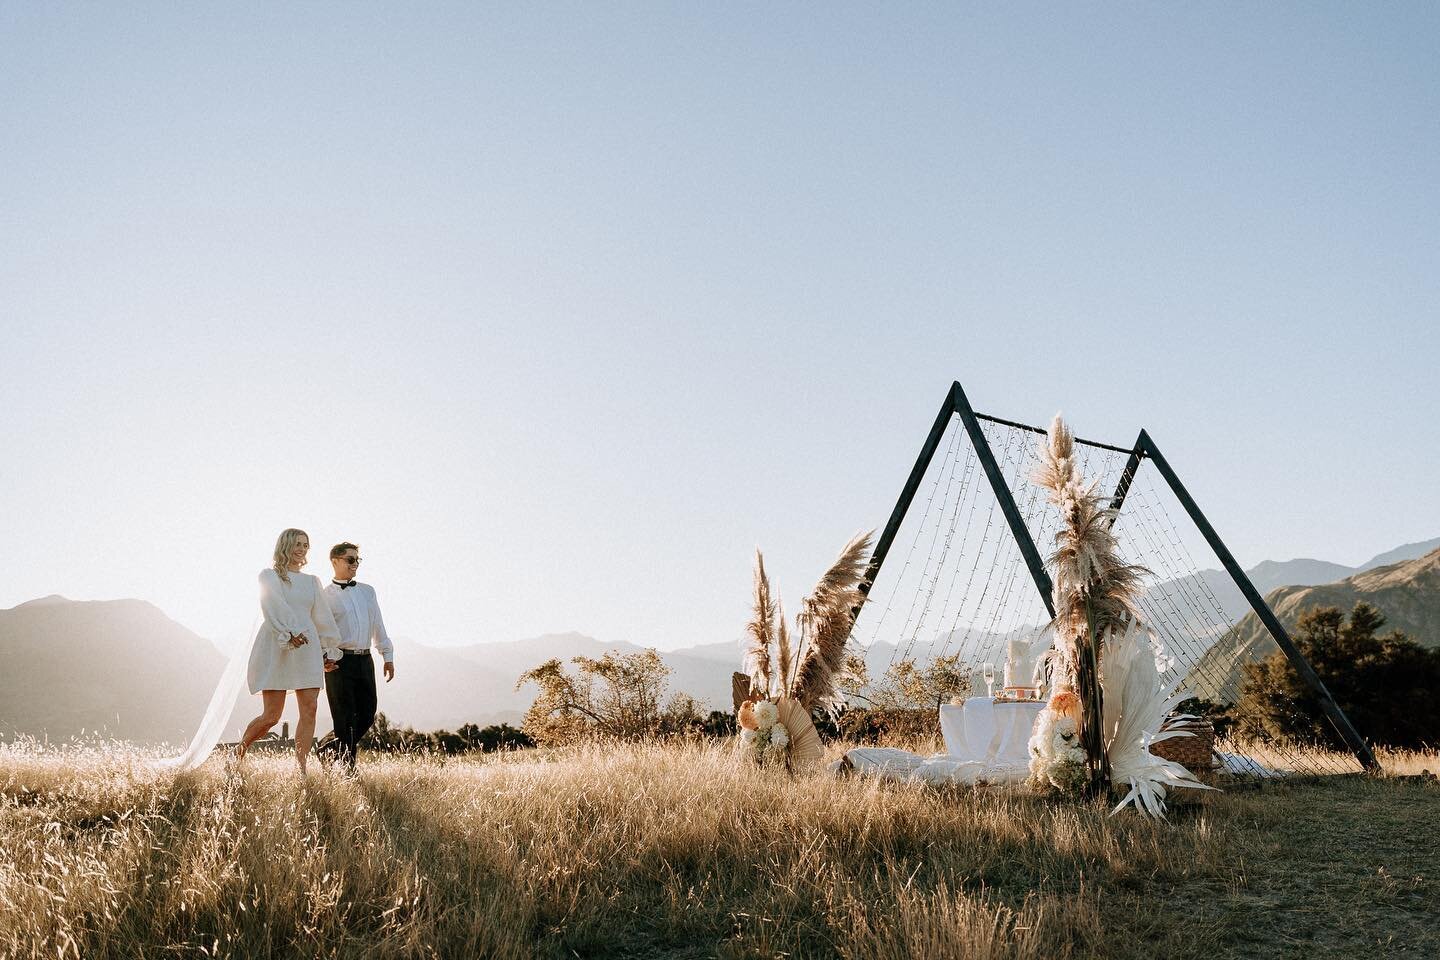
[(123, 669), (1407, 593), (1268, 575)]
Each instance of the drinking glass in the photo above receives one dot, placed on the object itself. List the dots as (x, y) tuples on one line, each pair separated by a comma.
[(987, 670)]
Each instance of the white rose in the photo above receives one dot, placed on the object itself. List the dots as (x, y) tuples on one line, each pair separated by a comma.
[(766, 713), (747, 737), (778, 735)]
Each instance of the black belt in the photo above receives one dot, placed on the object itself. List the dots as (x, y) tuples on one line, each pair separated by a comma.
[(355, 653)]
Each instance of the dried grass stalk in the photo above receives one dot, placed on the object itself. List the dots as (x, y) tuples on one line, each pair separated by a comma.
[(824, 623), (760, 632), (782, 648), (1091, 582)]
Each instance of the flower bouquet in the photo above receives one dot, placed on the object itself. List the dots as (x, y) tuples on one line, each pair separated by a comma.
[(1057, 759), (761, 731)]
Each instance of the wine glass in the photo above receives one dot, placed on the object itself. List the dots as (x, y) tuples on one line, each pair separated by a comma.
[(987, 670)]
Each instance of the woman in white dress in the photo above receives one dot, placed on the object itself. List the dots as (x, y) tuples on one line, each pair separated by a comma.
[(297, 640)]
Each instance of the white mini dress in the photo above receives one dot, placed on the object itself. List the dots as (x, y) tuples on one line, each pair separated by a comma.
[(298, 606)]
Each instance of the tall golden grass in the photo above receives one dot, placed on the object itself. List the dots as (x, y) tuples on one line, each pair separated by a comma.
[(685, 850)]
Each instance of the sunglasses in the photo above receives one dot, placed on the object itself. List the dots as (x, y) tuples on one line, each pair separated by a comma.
[(353, 561)]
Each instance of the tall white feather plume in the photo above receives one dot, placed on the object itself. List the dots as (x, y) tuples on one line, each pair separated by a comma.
[(1136, 704)]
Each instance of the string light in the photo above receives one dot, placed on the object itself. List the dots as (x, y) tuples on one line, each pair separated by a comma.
[(987, 597)]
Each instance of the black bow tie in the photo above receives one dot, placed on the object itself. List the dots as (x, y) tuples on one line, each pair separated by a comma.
[(342, 584)]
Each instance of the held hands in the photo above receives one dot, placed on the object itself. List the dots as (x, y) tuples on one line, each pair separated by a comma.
[(298, 640), (331, 665)]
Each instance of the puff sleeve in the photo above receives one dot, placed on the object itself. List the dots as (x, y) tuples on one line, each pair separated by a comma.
[(276, 610)]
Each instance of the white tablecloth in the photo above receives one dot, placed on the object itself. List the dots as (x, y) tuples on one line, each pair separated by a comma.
[(985, 742), (990, 732)]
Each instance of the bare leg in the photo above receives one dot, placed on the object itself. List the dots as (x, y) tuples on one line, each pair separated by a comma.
[(307, 700), (274, 701)]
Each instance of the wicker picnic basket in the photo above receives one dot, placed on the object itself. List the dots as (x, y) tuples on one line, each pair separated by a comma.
[(1193, 752)]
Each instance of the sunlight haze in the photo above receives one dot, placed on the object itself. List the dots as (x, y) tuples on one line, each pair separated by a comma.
[(560, 311)]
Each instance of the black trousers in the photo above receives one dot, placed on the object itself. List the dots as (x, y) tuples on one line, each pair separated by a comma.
[(351, 691)]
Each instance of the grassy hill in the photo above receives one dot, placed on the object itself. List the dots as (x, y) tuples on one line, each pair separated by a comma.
[(1408, 593), (687, 852)]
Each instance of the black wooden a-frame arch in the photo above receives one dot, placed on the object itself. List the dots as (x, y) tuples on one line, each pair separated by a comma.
[(1144, 449)]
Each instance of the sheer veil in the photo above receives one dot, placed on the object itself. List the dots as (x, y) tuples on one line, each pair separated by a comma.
[(236, 648)]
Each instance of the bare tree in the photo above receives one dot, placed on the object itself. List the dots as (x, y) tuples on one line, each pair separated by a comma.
[(907, 686), (617, 696)]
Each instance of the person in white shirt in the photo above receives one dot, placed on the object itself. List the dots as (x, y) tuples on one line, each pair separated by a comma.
[(350, 684), (296, 645)]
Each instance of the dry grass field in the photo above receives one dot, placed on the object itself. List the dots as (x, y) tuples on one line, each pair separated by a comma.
[(685, 851)]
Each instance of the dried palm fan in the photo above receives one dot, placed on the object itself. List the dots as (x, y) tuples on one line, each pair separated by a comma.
[(1136, 704), (739, 688), (805, 749)]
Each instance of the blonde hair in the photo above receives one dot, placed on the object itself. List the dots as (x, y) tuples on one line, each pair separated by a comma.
[(283, 545)]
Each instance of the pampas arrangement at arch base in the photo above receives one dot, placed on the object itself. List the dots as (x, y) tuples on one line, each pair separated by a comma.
[(796, 678), (1095, 592), (1106, 657)]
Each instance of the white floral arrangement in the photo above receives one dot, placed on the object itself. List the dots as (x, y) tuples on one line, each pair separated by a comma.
[(1057, 761), (761, 732)]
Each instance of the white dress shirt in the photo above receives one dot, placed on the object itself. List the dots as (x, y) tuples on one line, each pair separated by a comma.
[(357, 615)]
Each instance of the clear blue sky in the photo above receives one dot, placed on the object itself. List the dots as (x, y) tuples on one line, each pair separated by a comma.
[(561, 310)]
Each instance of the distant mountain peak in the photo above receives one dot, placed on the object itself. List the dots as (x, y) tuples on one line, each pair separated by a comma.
[(1408, 551), (1303, 571), (1268, 564), (561, 635), (121, 666), (566, 639), (54, 600)]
